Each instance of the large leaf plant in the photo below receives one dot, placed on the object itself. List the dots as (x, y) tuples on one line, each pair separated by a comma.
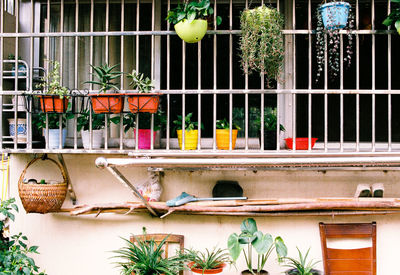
[(394, 16), (191, 11)]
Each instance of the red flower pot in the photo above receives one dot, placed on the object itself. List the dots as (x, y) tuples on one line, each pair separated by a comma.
[(53, 103), (216, 270), (107, 103), (143, 103), (301, 143)]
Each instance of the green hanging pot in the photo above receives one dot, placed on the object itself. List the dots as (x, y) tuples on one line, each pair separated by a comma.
[(191, 32)]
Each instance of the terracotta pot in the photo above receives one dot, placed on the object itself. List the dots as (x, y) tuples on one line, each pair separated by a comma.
[(191, 138), (53, 103), (107, 103), (143, 103), (247, 272), (223, 138), (216, 270)]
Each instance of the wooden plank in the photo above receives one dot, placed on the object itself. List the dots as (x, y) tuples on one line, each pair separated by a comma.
[(355, 254)]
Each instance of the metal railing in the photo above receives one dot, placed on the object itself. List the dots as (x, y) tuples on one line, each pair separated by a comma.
[(143, 40)]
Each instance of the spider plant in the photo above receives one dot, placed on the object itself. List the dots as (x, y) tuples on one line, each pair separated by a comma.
[(105, 75), (209, 259), (144, 257), (301, 266)]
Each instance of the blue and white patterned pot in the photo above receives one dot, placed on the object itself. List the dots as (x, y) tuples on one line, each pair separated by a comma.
[(21, 129)]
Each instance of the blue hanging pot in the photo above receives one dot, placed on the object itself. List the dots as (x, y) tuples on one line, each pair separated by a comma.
[(335, 15)]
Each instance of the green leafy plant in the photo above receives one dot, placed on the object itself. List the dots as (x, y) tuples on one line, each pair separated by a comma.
[(251, 238), (39, 120), (140, 83), (208, 259), (11, 56), (270, 120), (51, 82), (105, 77), (129, 121), (83, 120), (261, 42), (145, 258), (394, 16), (333, 45), (301, 266), (189, 124), (14, 251), (191, 11), (224, 124)]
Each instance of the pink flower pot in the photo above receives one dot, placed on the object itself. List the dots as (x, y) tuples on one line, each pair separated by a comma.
[(145, 138)]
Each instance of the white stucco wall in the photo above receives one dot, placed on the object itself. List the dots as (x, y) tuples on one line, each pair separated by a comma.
[(82, 245)]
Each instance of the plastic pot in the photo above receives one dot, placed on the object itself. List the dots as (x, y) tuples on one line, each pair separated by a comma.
[(54, 138), (144, 136), (107, 103), (143, 103), (269, 140), (335, 15), (223, 138), (21, 129), (53, 103), (294, 271), (191, 138), (247, 272), (216, 270), (301, 143), (98, 138), (191, 32)]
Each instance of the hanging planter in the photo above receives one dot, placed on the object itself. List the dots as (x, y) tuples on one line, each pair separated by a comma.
[(53, 103), (42, 197), (107, 103), (190, 20), (335, 14)]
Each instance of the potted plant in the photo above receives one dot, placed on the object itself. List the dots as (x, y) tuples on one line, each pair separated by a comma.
[(108, 99), (191, 133), (209, 262), (143, 101), (222, 134), (263, 244), (190, 20), (39, 122), (144, 134), (261, 42), (21, 129), (331, 18), (301, 266), (55, 97), (394, 16), (97, 129), (14, 250), (145, 257), (270, 120)]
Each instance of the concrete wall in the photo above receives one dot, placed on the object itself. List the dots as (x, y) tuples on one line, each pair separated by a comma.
[(82, 245)]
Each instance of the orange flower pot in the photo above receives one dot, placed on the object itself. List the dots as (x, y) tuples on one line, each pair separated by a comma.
[(223, 138), (216, 270), (107, 103), (53, 103), (143, 103)]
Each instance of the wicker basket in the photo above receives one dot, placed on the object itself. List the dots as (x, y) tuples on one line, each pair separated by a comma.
[(42, 198)]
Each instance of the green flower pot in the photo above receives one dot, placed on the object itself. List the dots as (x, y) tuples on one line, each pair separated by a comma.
[(191, 32)]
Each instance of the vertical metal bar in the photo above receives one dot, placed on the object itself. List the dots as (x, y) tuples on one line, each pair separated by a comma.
[(199, 95), (76, 74), (16, 74), (60, 129), (168, 79), (341, 94), (137, 132), (152, 69), (30, 80), (121, 117), (61, 41), (183, 94), (107, 29), (47, 131), (326, 96), (373, 74), (1, 70), (137, 69), (357, 80), (309, 75), (91, 70), (294, 77), (230, 75), (215, 77), (389, 86)]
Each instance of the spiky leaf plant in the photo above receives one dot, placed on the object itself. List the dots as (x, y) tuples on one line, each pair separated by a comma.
[(209, 259), (301, 266), (106, 76), (261, 42)]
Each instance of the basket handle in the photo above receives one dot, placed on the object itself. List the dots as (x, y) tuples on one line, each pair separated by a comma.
[(64, 175)]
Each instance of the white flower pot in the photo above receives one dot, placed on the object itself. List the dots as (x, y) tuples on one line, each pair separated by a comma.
[(54, 138), (98, 139)]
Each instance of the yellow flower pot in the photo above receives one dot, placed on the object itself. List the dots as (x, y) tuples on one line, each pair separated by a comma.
[(190, 139), (191, 32), (223, 138)]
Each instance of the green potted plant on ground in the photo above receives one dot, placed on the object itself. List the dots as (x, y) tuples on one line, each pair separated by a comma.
[(83, 126), (191, 132), (144, 101), (14, 250), (108, 99), (270, 121), (222, 134), (145, 257), (394, 16), (55, 97), (330, 20), (261, 42), (190, 20), (251, 238), (301, 266), (209, 262)]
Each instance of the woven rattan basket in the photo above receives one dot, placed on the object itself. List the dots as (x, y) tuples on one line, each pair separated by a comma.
[(42, 198)]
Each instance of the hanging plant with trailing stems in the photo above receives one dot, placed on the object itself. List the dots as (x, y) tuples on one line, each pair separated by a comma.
[(332, 44), (261, 42)]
